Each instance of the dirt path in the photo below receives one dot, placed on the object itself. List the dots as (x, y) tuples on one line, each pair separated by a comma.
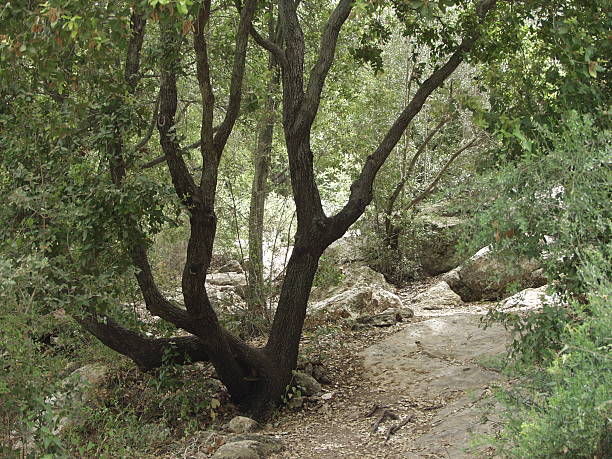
[(426, 378)]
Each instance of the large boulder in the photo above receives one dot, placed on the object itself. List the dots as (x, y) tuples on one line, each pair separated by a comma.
[(242, 424), (226, 290), (438, 296), (386, 318), (353, 303), (346, 250), (353, 275), (435, 239), (487, 276)]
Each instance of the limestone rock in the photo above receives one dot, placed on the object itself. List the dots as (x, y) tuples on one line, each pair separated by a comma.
[(425, 357), (528, 299), (233, 279), (435, 241), (245, 449), (386, 318), (249, 446), (226, 290), (353, 276), (486, 276), (231, 266), (438, 296), (80, 382), (345, 250), (307, 384), (266, 444), (355, 302), (242, 424)]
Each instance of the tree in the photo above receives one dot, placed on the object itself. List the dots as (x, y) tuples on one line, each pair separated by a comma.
[(255, 377)]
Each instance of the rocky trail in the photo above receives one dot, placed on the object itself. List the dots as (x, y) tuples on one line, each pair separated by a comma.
[(421, 390), (409, 373)]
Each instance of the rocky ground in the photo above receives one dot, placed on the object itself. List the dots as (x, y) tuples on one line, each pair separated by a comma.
[(422, 389), (406, 373), (412, 377)]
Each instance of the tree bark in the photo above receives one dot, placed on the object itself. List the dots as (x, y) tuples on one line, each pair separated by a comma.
[(256, 296)]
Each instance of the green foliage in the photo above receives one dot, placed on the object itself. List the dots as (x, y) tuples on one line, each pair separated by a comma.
[(137, 414), (554, 203), (328, 275), (36, 346), (563, 408)]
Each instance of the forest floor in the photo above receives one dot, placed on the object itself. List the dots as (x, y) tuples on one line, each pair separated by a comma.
[(419, 389)]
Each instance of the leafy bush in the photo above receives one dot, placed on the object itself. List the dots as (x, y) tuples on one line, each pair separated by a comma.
[(329, 274), (554, 205)]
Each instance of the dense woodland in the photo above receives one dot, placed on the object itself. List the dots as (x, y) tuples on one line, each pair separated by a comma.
[(146, 144)]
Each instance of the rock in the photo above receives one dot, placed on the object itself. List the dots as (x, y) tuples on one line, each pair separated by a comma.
[(249, 446), (386, 318), (242, 424), (80, 382), (423, 358), (226, 289), (205, 442), (345, 250), (487, 276), (319, 373), (266, 444), (355, 302), (530, 298), (308, 385), (233, 279), (225, 298), (362, 275), (435, 241), (245, 449), (232, 266), (438, 296), (76, 390), (353, 276)]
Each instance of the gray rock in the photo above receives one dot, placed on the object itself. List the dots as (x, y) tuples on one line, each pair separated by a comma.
[(435, 241), (232, 266), (353, 276), (345, 250), (245, 449), (529, 299), (249, 446), (242, 424), (438, 296), (423, 357), (306, 383), (355, 302), (266, 444), (233, 279), (386, 318), (486, 276)]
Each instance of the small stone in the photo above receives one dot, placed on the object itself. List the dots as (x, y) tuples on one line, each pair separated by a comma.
[(245, 449), (265, 445), (306, 383), (242, 424)]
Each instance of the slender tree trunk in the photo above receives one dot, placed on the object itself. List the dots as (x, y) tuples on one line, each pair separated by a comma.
[(259, 191)]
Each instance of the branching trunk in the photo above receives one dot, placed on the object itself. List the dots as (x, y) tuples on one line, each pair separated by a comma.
[(256, 378), (392, 230)]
